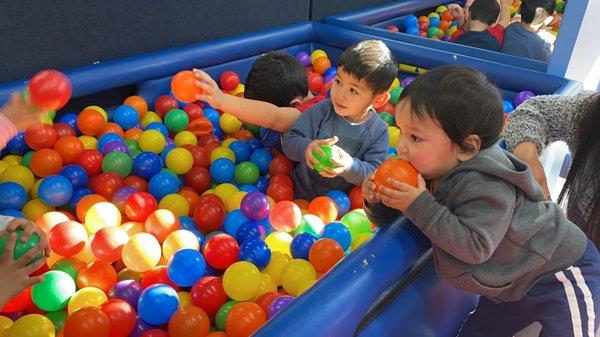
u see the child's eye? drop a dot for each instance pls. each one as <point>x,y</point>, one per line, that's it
<point>414,138</point>
<point>354,91</point>
<point>337,81</point>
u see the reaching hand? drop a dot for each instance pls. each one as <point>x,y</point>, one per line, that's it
<point>212,94</point>
<point>402,195</point>
<point>21,113</point>
<point>456,11</point>
<point>28,228</point>
<point>315,146</point>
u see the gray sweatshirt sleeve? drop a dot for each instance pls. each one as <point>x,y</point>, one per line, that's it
<point>373,157</point>
<point>295,141</point>
<point>546,119</point>
<point>474,224</point>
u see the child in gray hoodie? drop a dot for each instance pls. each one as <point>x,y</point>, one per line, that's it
<point>492,232</point>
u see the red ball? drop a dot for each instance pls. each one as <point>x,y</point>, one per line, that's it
<point>314,82</point>
<point>63,129</point>
<point>49,90</point>
<point>281,178</point>
<point>265,300</point>
<point>208,294</point>
<point>281,164</point>
<point>154,333</point>
<point>392,28</point>
<point>91,161</point>
<point>67,238</point>
<point>201,156</point>
<point>198,178</point>
<point>20,302</point>
<point>209,216</point>
<point>108,242</point>
<point>41,136</point>
<point>121,315</point>
<point>46,162</point>
<point>206,139</point>
<point>325,88</point>
<point>139,205</point>
<point>210,197</point>
<point>194,111</point>
<point>107,184</point>
<point>422,33</point>
<point>229,80</point>
<point>356,198</point>
<point>97,274</point>
<point>87,321</point>
<point>221,251</point>
<point>387,107</point>
<point>136,182</point>
<point>157,275</point>
<point>164,104</point>
<point>280,191</point>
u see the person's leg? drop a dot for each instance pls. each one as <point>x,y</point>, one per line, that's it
<point>492,319</point>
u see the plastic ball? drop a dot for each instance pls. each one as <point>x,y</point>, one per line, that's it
<point>49,90</point>
<point>246,173</point>
<point>12,196</point>
<point>221,251</point>
<point>121,315</point>
<point>127,290</point>
<point>324,254</point>
<point>20,175</point>
<point>100,215</point>
<point>185,267</point>
<point>147,164</point>
<point>55,190</point>
<point>108,242</point>
<point>189,321</point>
<point>255,205</point>
<point>91,161</point>
<point>522,97</point>
<point>185,138</point>
<point>285,216</point>
<point>241,281</point>
<point>244,319</point>
<point>54,291</point>
<point>86,297</point>
<point>176,120</point>
<point>117,162</point>
<point>296,274</point>
<point>301,244</point>
<point>397,169</point>
<point>152,141</point>
<point>98,274</point>
<point>320,64</point>
<point>76,175</point>
<point>138,103</point>
<point>157,304</point>
<point>67,238</point>
<point>262,158</point>
<point>222,170</point>
<point>241,150</point>
<point>279,242</point>
<point>256,252</point>
<point>21,247</point>
<point>164,103</point>
<point>117,145</point>
<point>339,232</point>
<point>87,322</point>
<point>229,80</point>
<point>126,116</point>
<point>357,223</point>
<point>46,162</point>
<point>35,208</point>
<point>279,304</point>
<point>90,122</point>
<point>209,216</point>
<point>229,124</point>
<point>70,266</point>
<point>183,86</point>
<point>33,325</point>
<point>139,205</point>
<point>162,184</point>
<point>324,208</point>
<point>161,223</point>
<point>179,160</point>
<point>178,240</point>
<point>141,253</point>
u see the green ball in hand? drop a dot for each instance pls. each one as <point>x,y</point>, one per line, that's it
<point>323,161</point>
<point>21,247</point>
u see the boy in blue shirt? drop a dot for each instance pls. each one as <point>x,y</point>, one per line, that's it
<point>347,122</point>
<point>521,38</point>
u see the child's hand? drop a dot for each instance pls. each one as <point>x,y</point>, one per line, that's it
<point>342,161</point>
<point>212,94</point>
<point>456,11</point>
<point>315,146</point>
<point>21,113</point>
<point>14,274</point>
<point>368,189</point>
<point>402,195</point>
<point>28,228</point>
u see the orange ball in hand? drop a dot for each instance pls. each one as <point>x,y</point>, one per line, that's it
<point>397,169</point>
<point>183,86</point>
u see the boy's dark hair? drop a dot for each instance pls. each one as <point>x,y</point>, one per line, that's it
<point>529,7</point>
<point>372,61</point>
<point>461,100</point>
<point>486,11</point>
<point>276,77</point>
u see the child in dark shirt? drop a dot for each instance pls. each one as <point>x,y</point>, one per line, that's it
<point>479,26</point>
<point>521,38</point>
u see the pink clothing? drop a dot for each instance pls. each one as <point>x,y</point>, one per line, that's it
<point>7,131</point>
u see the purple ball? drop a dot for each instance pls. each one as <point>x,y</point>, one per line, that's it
<point>328,78</point>
<point>140,327</point>
<point>279,304</point>
<point>255,206</point>
<point>121,195</point>
<point>127,290</point>
<point>522,97</point>
<point>304,58</point>
<point>406,81</point>
<point>115,145</point>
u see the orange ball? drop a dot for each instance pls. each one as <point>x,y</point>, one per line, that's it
<point>87,321</point>
<point>138,103</point>
<point>85,203</point>
<point>397,169</point>
<point>183,86</point>
<point>324,254</point>
<point>192,197</point>
<point>133,134</point>
<point>46,162</point>
<point>90,122</point>
<point>244,319</point>
<point>447,16</point>
<point>69,148</point>
<point>423,20</point>
<point>321,64</point>
<point>324,208</point>
<point>242,134</point>
<point>444,25</point>
<point>112,128</point>
<point>161,223</point>
<point>99,274</point>
<point>189,321</point>
<point>303,204</point>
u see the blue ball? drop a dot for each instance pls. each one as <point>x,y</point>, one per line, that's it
<point>158,126</point>
<point>255,144</point>
<point>392,152</point>
<point>165,152</point>
<point>222,170</point>
<point>76,174</point>
<point>17,144</point>
<point>14,213</point>
<point>508,106</point>
<point>163,183</point>
<point>250,229</point>
<point>249,188</point>
<point>434,22</point>
<point>71,120</point>
<point>262,184</point>
<point>212,115</point>
<point>126,116</point>
<point>339,232</point>
<point>187,223</point>
<point>410,21</point>
<point>270,138</point>
<point>157,304</point>
<point>199,236</point>
<point>77,195</point>
<point>147,164</point>
<point>186,267</point>
<point>262,158</point>
<point>218,131</point>
<point>301,245</point>
<point>55,190</point>
<point>12,196</point>
<point>241,151</point>
<point>341,199</point>
<point>107,138</point>
<point>413,31</point>
<point>233,221</point>
<point>256,252</point>
<point>330,71</point>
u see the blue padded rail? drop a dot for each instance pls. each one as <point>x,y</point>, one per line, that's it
<point>372,21</point>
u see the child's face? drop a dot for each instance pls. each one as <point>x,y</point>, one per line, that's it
<point>350,96</point>
<point>424,144</point>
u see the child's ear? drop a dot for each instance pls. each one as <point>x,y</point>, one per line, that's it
<point>381,99</point>
<point>472,145</point>
<point>296,102</point>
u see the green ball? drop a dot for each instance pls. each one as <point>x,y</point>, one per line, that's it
<point>309,225</point>
<point>70,266</point>
<point>132,145</point>
<point>433,32</point>
<point>176,120</point>
<point>117,162</point>
<point>54,292</point>
<point>222,314</point>
<point>255,129</point>
<point>21,247</point>
<point>387,118</point>
<point>134,153</point>
<point>357,223</point>
<point>395,95</point>
<point>323,161</point>
<point>246,173</point>
<point>26,161</point>
<point>560,7</point>
<point>57,318</point>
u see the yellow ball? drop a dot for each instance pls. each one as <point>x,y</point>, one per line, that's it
<point>307,286</point>
<point>175,203</point>
<point>34,189</point>
<point>152,141</point>
<point>150,117</point>
<point>267,284</point>
<point>360,239</point>
<point>89,142</point>
<point>5,324</point>
<point>100,215</point>
<point>35,208</point>
<point>276,264</point>
<point>3,166</point>
<point>20,175</point>
<point>451,30</point>
<point>296,275</point>
<point>86,297</point>
<point>225,191</point>
<point>179,160</point>
<point>235,200</point>
<point>316,54</point>
<point>185,138</point>
<point>241,281</point>
<point>34,325</point>
<point>395,83</point>
<point>239,89</point>
<point>185,299</point>
<point>52,259</point>
<point>178,240</point>
<point>222,152</point>
<point>394,134</point>
<point>229,123</point>
<point>271,201</point>
<point>209,191</point>
<point>441,9</point>
<point>279,242</point>
<point>100,110</point>
<point>141,253</point>
<point>13,160</point>
<point>132,228</point>
<point>228,142</point>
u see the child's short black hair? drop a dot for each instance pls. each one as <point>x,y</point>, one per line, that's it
<point>485,11</point>
<point>276,77</point>
<point>461,100</point>
<point>529,9</point>
<point>372,61</point>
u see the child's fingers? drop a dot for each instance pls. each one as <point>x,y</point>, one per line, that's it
<point>330,141</point>
<point>33,280</point>
<point>421,184</point>
<point>27,257</point>
<point>29,269</point>
<point>388,192</point>
<point>404,187</point>
<point>8,249</point>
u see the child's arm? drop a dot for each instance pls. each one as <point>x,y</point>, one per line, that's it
<point>504,17</point>
<point>248,110</point>
<point>16,114</point>
<point>458,13</point>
